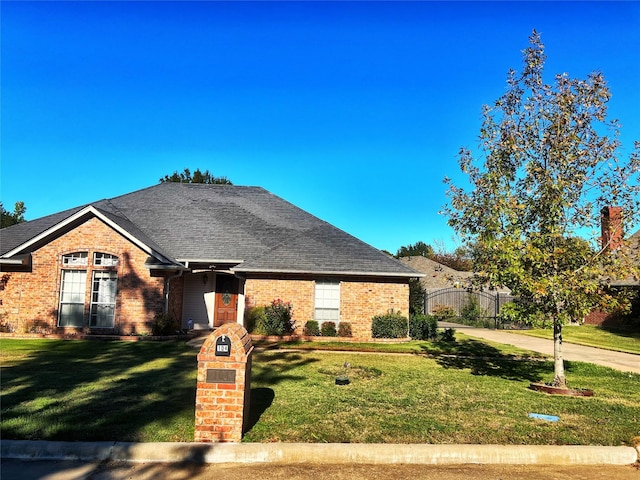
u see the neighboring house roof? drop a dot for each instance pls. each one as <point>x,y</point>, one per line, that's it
<point>437,275</point>
<point>247,229</point>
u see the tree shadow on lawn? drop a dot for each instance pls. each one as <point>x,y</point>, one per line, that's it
<point>483,359</point>
<point>97,391</point>
<point>273,368</point>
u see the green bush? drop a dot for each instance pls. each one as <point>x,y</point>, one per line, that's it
<point>472,313</point>
<point>311,328</point>
<point>423,327</point>
<point>448,335</point>
<point>416,297</point>
<point>277,319</point>
<point>390,325</point>
<point>328,329</point>
<point>164,325</point>
<point>344,329</point>
<point>252,317</point>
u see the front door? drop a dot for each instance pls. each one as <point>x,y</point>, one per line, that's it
<point>226,310</point>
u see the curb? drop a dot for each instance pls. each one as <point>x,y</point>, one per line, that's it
<point>319,453</point>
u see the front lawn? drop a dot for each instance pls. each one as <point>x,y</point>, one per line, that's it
<point>145,391</point>
<point>592,336</point>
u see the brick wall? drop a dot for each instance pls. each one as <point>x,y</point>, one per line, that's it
<point>30,301</point>
<point>222,407</point>
<point>360,300</point>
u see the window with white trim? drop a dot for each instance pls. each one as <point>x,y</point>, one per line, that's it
<point>103,299</point>
<point>105,259</point>
<point>327,301</point>
<point>73,285</point>
<point>75,259</point>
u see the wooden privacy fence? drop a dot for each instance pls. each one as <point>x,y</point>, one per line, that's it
<point>458,299</point>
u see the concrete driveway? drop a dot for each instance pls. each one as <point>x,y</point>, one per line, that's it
<point>625,362</point>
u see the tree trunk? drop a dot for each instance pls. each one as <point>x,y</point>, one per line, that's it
<point>559,379</point>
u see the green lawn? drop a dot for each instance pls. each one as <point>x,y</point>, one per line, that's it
<point>145,391</point>
<point>464,345</point>
<point>592,336</point>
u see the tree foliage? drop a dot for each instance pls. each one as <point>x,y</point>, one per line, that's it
<point>418,249</point>
<point>458,259</point>
<point>198,177</point>
<point>548,164</point>
<point>12,218</point>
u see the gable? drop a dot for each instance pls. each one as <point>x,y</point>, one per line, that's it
<point>20,241</point>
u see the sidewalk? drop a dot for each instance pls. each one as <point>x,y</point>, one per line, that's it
<point>625,362</point>
<point>326,453</point>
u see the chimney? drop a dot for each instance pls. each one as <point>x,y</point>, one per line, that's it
<point>612,234</point>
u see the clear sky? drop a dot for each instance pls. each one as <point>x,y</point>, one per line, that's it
<point>352,111</point>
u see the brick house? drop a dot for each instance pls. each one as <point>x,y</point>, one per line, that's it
<point>612,240</point>
<point>201,254</point>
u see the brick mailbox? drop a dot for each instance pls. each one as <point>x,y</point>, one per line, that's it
<point>224,385</point>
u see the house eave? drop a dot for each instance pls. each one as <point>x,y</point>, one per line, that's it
<point>209,263</point>
<point>346,273</point>
<point>21,259</point>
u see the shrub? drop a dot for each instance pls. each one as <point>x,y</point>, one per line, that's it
<point>472,313</point>
<point>311,328</point>
<point>442,312</point>
<point>164,325</point>
<point>328,329</point>
<point>390,325</point>
<point>276,320</point>
<point>416,297</point>
<point>423,327</point>
<point>448,335</point>
<point>252,317</point>
<point>344,329</point>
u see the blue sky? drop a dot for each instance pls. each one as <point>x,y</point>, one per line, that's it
<point>352,111</point>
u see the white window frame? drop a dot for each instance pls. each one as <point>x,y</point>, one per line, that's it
<point>75,259</point>
<point>327,301</point>
<point>73,284</point>
<point>104,289</point>
<point>105,259</point>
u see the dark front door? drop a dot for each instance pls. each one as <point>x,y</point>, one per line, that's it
<point>226,300</point>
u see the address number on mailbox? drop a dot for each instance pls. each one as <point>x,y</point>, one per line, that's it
<point>223,346</point>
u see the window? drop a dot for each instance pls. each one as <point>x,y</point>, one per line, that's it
<point>103,299</point>
<point>75,259</point>
<point>72,298</point>
<point>327,301</point>
<point>105,259</point>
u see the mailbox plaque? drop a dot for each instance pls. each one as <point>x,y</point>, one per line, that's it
<point>221,375</point>
<point>223,346</point>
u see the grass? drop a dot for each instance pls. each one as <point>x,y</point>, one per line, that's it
<point>467,392</point>
<point>592,336</point>
<point>464,345</point>
<point>89,390</point>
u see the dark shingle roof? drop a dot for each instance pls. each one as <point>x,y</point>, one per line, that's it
<point>218,223</point>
